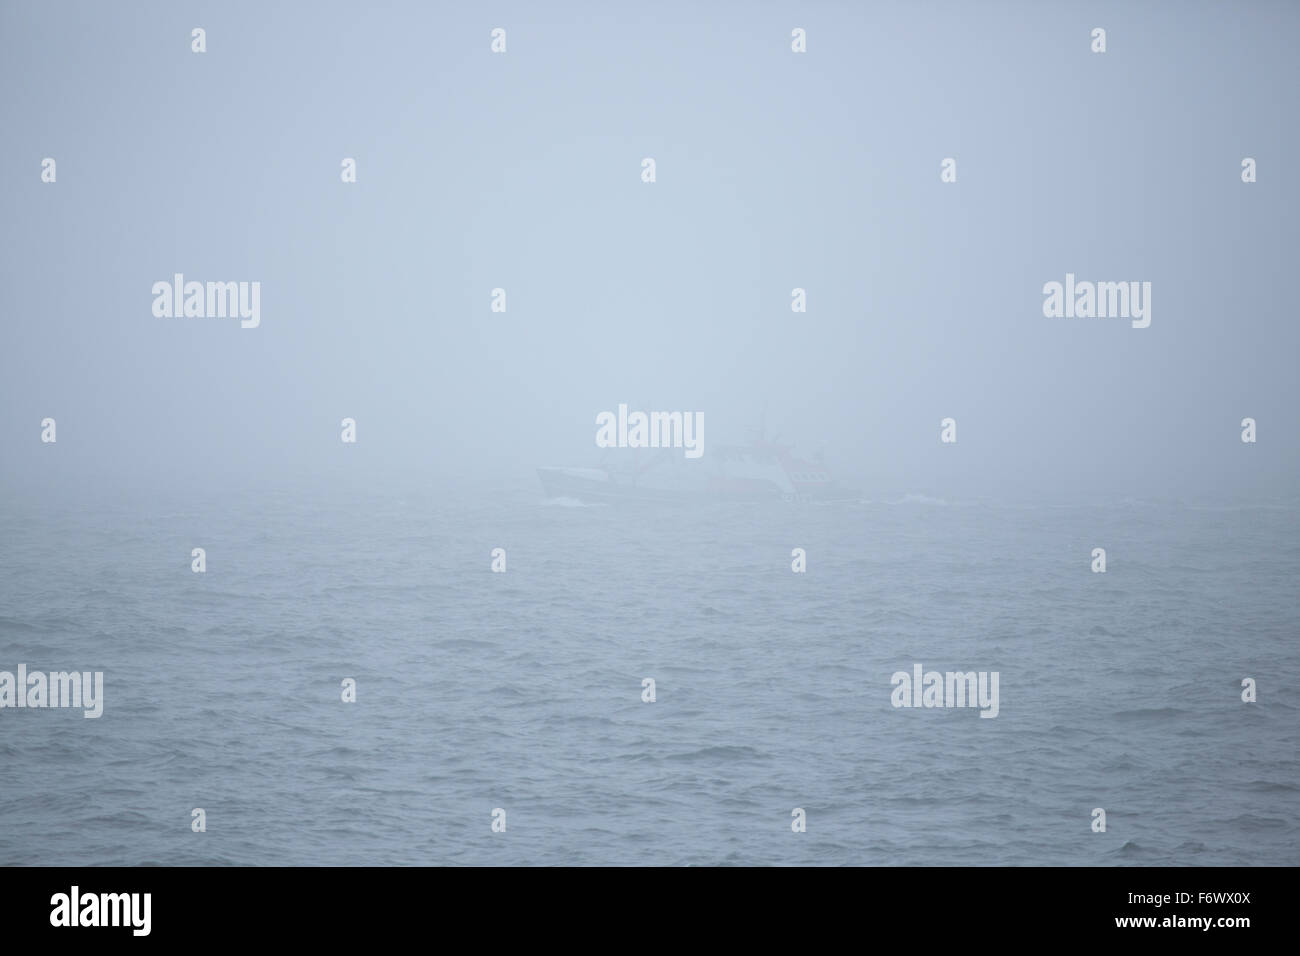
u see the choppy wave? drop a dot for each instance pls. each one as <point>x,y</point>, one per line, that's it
<point>524,690</point>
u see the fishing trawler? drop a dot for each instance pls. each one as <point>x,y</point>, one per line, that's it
<point>763,470</point>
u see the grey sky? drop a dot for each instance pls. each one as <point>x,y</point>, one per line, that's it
<point>774,170</point>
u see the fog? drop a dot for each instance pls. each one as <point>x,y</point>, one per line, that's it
<point>774,171</point>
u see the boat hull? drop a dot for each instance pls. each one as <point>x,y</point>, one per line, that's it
<point>597,486</point>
